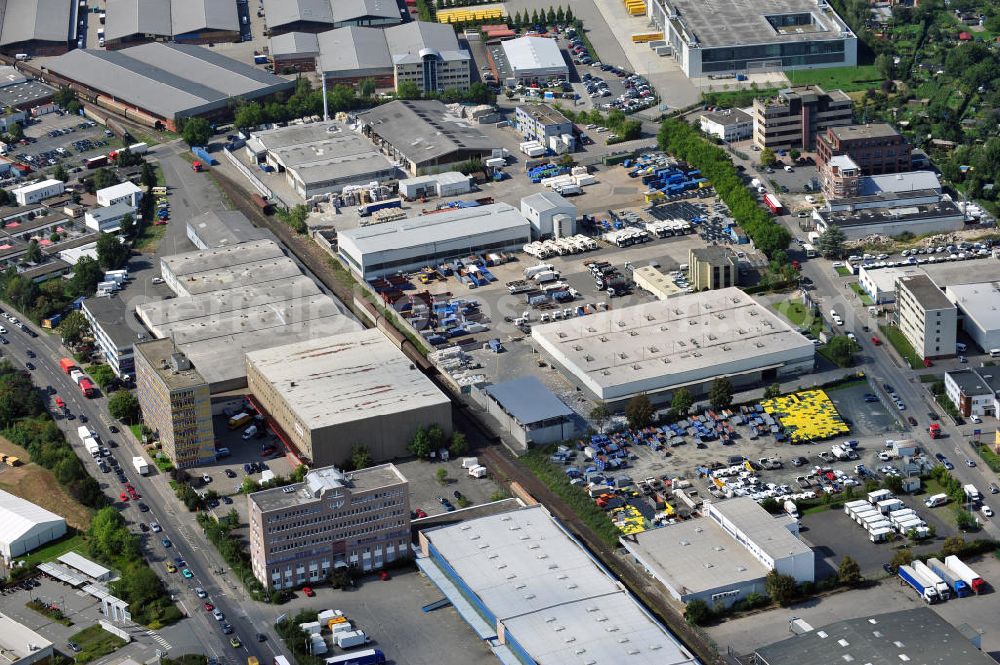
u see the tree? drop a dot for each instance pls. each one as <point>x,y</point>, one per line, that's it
<point>127,228</point>
<point>781,588</point>
<point>73,328</point>
<point>767,157</point>
<point>86,274</point>
<point>794,154</point>
<point>831,242</point>
<point>550,16</point>
<point>34,252</point>
<point>103,178</point>
<point>965,520</point>
<point>459,445</point>
<point>112,253</point>
<point>884,66</point>
<point>295,218</point>
<point>682,401</point>
<point>534,17</point>
<point>697,612</point>
<point>63,96</point>
<point>600,414</point>
<point>196,131</point>
<point>102,375</point>
<point>840,350</point>
<point>248,115</point>
<point>442,475</point>
<point>408,90</point>
<point>560,15</point>
<point>849,572</point>
<point>772,391</point>
<point>366,88</point>
<point>361,456</point>
<point>953,545</point>
<point>124,406</point>
<point>894,484</point>
<point>60,174</point>
<point>420,444</point>
<point>721,393</point>
<point>639,411</point>
<point>148,177</point>
<point>903,557</point>
<point>569,13</point>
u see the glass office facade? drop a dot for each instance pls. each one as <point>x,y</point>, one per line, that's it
<point>794,54</point>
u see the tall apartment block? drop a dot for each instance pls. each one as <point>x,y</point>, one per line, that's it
<point>876,148</point>
<point>332,519</point>
<point>175,401</point>
<point>926,317</point>
<point>797,115</point>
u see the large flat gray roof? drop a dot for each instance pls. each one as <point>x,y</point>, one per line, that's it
<point>137,17</point>
<point>240,276</point>
<point>550,594</point>
<point>167,79</point>
<point>224,228</point>
<point>36,20</point>
<point>899,183</point>
<point>115,319</point>
<point>352,10</point>
<point>198,261</point>
<point>979,302</point>
<point>319,481</point>
<point>294,43</point>
<point>425,130</point>
<point>926,292</point>
<point>283,12</point>
<point>209,15</point>
<point>916,635</point>
<point>344,378</point>
<point>715,23</point>
<point>530,53</point>
<point>24,94</point>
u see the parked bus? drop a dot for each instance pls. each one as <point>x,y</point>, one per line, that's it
<point>809,250</point>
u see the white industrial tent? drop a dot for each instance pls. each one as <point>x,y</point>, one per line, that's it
<point>25,526</point>
<point>534,58</point>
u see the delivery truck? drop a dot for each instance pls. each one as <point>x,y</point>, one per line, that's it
<point>922,586</point>
<point>141,465</point>
<point>942,588</point>
<point>67,365</point>
<point>350,639</point>
<point>975,582</point>
<point>956,583</point>
<point>92,446</point>
<point>366,657</point>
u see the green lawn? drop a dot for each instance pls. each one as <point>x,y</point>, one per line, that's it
<point>95,642</point>
<point>150,237</point>
<point>843,271</point>
<point>865,298</point>
<point>902,346</point>
<point>136,431</point>
<point>848,79</point>
<point>798,315</point>
<point>71,541</point>
<point>161,180</point>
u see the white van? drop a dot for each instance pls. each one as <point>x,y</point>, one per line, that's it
<point>250,432</point>
<point>994,353</point>
<point>936,500</point>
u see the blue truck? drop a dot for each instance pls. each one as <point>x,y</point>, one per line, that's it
<point>202,154</point>
<point>922,586</point>
<point>956,583</point>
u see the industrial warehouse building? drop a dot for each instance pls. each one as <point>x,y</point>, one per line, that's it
<point>385,249</point>
<point>191,21</point>
<point>536,595</point>
<point>724,556</point>
<point>25,526</point>
<point>159,82</point>
<point>37,27</point>
<point>284,16</point>
<point>424,134</point>
<point>978,305</point>
<point>329,394</point>
<point>236,299</point>
<point>528,410</point>
<point>283,552</point>
<point>533,59</point>
<point>658,347</point>
<point>222,228</point>
<point>293,51</point>
<point>449,183</point>
<point>425,54</point>
<point>919,212</point>
<point>918,635</point>
<point>22,646</point>
<point>730,36</point>
<point>550,214</point>
<point>319,158</point>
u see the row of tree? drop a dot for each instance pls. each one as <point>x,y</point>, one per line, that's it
<point>543,17</point>
<point>685,142</point>
<point>427,440</point>
<point>639,411</point>
<point>615,120</point>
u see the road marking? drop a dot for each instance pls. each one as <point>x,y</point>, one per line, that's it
<point>156,637</point>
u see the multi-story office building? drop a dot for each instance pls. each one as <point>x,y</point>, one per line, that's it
<point>537,122</point>
<point>712,267</point>
<point>113,334</point>
<point>735,36</point>
<point>926,317</point>
<point>300,532</point>
<point>175,401</point>
<point>840,177</point>
<point>876,148</point>
<point>797,115</point>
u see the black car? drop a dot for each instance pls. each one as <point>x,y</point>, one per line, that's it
<point>458,495</point>
<point>261,637</point>
<point>83,418</point>
<point>31,354</point>
<point>227,629</point>
<point>30,367</point>
<point>888,388</point>
<point>143,507</point>
<point>888,568</point>
<point>113,429</point>
<point>229,473</point>
<point>226,500</point>
<point>4,340</point>
<point>932,415</point>
<point>799,461</point>
<point>70,416</point>
<point>912,420</point>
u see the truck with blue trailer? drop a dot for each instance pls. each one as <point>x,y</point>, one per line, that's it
<point>925,571</point>
<point>922,586</point>
<point>366,657</point>
<point>957,584</point>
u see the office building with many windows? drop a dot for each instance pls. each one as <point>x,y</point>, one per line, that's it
<point>711,37</point>
<point>332,519</point>
<point>926,317</point>
<point>175,402</point>
<point>876,148</point>
<point>795,116</point>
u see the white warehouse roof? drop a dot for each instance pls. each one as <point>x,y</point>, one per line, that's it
<point>527,55</point>
<point>343,378</point>
<point>667,344</point>
<point>551,596</point>
<point>23,522</point>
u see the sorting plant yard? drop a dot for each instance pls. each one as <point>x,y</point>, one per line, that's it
<point>808,414</point>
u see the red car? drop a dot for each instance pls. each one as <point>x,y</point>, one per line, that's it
<point>928,363</point>
<point>876,341</point>
<point>383,575</point>
<point>307,590</point>
<point>420,513</point>
<point>209,607</point>
<point>123,496</point>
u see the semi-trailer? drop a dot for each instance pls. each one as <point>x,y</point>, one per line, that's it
<point>975,582</point>
<point>352,638</point>
<point>922,587</point>
<point>67,365</point>
<point>366,657</point>
<point>942,588</point>
<point>957,584</point>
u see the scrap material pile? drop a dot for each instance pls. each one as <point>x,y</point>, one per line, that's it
<point>808,415</point>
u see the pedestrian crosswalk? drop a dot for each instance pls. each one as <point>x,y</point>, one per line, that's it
<point>156,637</point>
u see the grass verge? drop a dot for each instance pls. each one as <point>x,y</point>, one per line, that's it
<point>799,315</point>
<point>95,642</point>
<point>848,79</point>
<point>902,346</point>
<point>51,612</point>
<point>843,271</point>
<point>866,300</point>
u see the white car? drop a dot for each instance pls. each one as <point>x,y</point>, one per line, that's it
<point>976,419</point>
<point>219,616</point>
<point>987,511</point>
<point>200,592</point>
<point>810,199</point>
<point>157,280</point>
<point>155,526</point>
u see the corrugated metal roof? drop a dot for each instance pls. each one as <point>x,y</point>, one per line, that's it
<point>352,10</point>
<point>528,400</point>
<point>425,131</point>
<point>353,49</point>
<point>283,12</point>
<point>133,17</point>
<point>42,20</point>
<point>203,15</point>
<point>294,43</point>
<point>530,53</point>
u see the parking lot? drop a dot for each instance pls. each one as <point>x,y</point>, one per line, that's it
<point>426,491</point>
<point>63,139</point>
